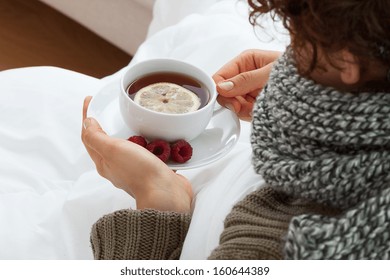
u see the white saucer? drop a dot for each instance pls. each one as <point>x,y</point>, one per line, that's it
<point>216,141</point>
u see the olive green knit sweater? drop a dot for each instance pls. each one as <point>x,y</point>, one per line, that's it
<point>254,229</point>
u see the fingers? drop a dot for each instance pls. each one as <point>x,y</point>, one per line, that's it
<point>246,73</point>
<point>241,105</point>
<point>240,80</point>
<point>246,61</point>
<point>230,103</point>
<point>245,82</point>
<point>94,138</point>
<point>246,108</point>
<point>87,100</point>
<point>93,135</point>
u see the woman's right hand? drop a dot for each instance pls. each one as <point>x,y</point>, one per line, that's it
<point>241,79</point>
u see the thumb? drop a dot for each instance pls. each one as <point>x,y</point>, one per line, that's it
<point>245,82</point>
<point>94,137</point>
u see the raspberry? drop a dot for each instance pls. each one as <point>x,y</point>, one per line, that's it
<point>140,140</point>
<point>160,148</point>
<point>181,151</point>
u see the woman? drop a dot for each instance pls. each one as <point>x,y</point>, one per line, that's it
<point>319,139</point>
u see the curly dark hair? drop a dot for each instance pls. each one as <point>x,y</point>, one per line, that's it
<point>361,26</point>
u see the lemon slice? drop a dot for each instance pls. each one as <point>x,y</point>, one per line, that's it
<point>167,98</point>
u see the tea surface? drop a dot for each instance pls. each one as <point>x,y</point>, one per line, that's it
<point>169,77</point>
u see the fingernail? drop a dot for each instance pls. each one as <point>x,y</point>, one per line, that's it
<point>86,123</point>
<point>230,107</point>
<point>226,85</point>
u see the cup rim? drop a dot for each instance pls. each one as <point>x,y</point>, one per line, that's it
<point>211,101</point>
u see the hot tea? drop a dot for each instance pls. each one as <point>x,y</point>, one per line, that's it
<point>182,83</point>
<point>185,90</point>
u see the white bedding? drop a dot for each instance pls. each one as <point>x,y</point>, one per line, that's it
<point>50,193</point>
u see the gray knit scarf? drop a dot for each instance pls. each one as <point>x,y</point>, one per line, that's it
<point>332,148</point>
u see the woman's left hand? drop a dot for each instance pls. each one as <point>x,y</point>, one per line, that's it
<point>135,170</point>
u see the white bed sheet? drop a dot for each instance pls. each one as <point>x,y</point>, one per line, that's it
<point>50,193</point>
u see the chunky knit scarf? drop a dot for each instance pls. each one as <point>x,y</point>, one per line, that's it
<point>333,148</point>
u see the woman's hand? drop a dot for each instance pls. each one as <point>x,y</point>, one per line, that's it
<point>135,170</point>
<point>240,80</point>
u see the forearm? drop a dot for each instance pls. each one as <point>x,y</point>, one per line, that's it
<point>139,234</point>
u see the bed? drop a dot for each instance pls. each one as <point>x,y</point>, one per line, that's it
<point>50,192</point>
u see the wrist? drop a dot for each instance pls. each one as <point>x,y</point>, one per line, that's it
<point>172,193</point>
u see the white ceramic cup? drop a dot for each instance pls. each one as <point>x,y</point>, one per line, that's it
<point>157,125</point>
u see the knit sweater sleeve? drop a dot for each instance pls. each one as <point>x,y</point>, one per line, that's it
<point>139,234</point>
